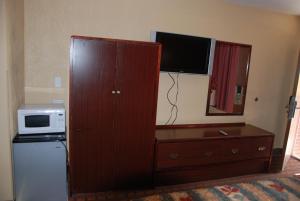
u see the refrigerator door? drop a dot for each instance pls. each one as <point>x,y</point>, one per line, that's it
<point>40,171</point>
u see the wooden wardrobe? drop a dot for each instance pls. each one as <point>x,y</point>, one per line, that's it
<point>113,98</point>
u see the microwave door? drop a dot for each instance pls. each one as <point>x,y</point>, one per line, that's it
<point>36,123</point>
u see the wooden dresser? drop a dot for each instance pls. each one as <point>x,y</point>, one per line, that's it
<point>195,154</point>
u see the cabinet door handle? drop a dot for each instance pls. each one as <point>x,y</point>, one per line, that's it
<point>173,156</point>
<point>261,148</point>
<point>234,151</point>
<point>113,92</point>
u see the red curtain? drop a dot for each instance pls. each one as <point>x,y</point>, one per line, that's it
<point>224,75</point>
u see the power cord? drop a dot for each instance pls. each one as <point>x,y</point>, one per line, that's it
<point>176,98</point>
<point>66,149</point>
<point>174,105</point>
<point>67,162</point>
<point>168,98</point>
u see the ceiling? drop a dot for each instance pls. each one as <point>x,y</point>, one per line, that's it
<point>283,6</point>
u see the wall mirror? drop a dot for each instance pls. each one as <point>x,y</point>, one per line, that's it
<point>228,81</point>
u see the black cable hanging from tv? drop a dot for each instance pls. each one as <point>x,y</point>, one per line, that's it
<point>176,98</point>
<point>174,105</point>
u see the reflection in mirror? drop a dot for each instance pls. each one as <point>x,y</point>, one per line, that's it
<point>228,82</point>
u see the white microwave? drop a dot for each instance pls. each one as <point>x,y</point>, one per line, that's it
<point>35,119</point>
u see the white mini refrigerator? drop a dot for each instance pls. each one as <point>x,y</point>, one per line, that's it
<point>40,170</point>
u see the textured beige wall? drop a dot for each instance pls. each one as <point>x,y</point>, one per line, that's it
<point>5,145</point>
<point>15,11</point>
<point>11,84</point>
<point>49,25</point>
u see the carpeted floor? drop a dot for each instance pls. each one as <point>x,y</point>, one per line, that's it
<point>280,189</point>
<point>293,167</point>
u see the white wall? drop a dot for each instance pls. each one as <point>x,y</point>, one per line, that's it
<point>49,25</point>
<point>11,85</point>
<point>192,98</point>
<point>15,13</point>
<point>5,139</point>
<point>273,36</point>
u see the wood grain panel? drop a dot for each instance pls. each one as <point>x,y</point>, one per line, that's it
<point>204,152</point>
<point>111,133</point>
<point>242,149</point>
<point>91,114</point>
<point>137,81</point>
<point>216,171</point>
<point>174,155</point>
<point>180,134</point>
<point>211,125</point>
<point>194,154</point>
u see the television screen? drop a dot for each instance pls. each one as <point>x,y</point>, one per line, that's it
<point>182,53</point>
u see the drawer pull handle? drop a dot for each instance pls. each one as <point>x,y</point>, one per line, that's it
<point>234,151</point>
<point>261,148</point>
<point>208,154</point>
<point>173,156</point>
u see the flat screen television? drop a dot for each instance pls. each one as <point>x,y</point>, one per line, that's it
<point>186,54</point>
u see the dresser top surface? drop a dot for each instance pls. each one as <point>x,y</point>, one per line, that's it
<point>210,133</point>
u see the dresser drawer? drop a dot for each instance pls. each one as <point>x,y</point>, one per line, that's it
<point>213,171</point>
<point>247,148</point>
<point>205,152</point>
<point>194,154</point>
<point>180,154</point>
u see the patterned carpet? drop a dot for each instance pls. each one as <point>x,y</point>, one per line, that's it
<point>280,189</point>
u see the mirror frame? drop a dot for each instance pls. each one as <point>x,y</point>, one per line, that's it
<point>244,97</point>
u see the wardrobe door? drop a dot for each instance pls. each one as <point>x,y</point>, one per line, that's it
<point>136,84</point>
<point>91,115</point>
